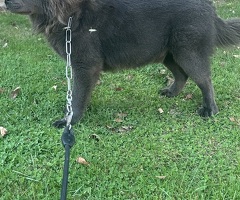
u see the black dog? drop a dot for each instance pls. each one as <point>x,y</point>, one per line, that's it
<point>117,34</point>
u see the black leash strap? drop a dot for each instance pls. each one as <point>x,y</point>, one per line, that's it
<point>68,140</point>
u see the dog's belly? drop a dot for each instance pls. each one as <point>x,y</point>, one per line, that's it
<point>161,57</point>
<point>132,60</point>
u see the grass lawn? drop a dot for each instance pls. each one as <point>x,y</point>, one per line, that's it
<point>140,153</point>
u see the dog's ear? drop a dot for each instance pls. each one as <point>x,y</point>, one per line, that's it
<point>63,9</point>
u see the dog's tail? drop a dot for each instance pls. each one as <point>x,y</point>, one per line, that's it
<point>228,32</point>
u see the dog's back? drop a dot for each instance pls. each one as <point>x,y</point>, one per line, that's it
<point>141,31</point>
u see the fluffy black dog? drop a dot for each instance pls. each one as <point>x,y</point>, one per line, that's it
<point>181,34</point>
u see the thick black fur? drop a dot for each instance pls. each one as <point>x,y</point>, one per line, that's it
<point>181,34</point>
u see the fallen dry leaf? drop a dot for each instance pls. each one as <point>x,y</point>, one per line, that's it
<point>118,120</point>
<point>124,129</point>
<point>170,80</point>
<point>82,161</point>
<point>15,93</point>
<point>232,119</point>
<point>189,97</point>
<point>111,128</point>
<point>163,71</point>
<point>54,87</point>
<point>160,110</point>
<point>161,177</point>
<point>122,115</point>
<point>118,89</point>
<point>95,137</point>
<point>99,82</point>
<point>236,56</point>
<point>1,90</point>
<point>3,131</point>
<point>5,45</point>
<point>129,77</point>
<point>121,129</point>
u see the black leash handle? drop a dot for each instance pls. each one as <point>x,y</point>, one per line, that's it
<point>68,140</point>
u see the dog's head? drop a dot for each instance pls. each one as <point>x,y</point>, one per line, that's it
<point>27,7</point>
<point>52,9</point>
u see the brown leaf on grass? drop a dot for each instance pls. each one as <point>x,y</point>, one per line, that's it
<point>170,80</point>
<point>161,177</point>
<point>232,119</point>
<point>235,120</point>
<point>163,71</point>
<point>118,89</point>
<point>189,97</point>
<point>99,82</point>
<point>111,128</point>
<point>129,77</point>
<point>3,131</point>
<point>124,129</point>
<point>1,90</point>
<point>122,115</point>
<point>121,129</point>
<point>82,161</point>
<point>95,137</point>
<point>54,87</point>
<point>15,93</point>
<point>5,45</point>
<point>160,110</point>
<point>118,120</point>
<point>223,64</point>
<point>236,56</point>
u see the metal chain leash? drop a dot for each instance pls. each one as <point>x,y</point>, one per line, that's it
<point>68,138</point>
<point>69,74</point>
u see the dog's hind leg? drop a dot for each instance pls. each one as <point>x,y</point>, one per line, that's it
<point>197,67</point>
<point>180,77</point>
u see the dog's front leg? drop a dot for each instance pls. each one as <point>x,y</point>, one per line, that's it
<point>84,79</point>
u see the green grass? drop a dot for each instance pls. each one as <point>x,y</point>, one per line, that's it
<point>198,159</point>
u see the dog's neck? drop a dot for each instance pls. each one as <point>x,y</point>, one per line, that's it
<point>42,24</point>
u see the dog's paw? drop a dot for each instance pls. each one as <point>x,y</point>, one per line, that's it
<point>207,112</point>
<point>60,123</point>
<point>167,92</point>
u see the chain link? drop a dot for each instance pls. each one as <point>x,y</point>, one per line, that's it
<point>69,74</point>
